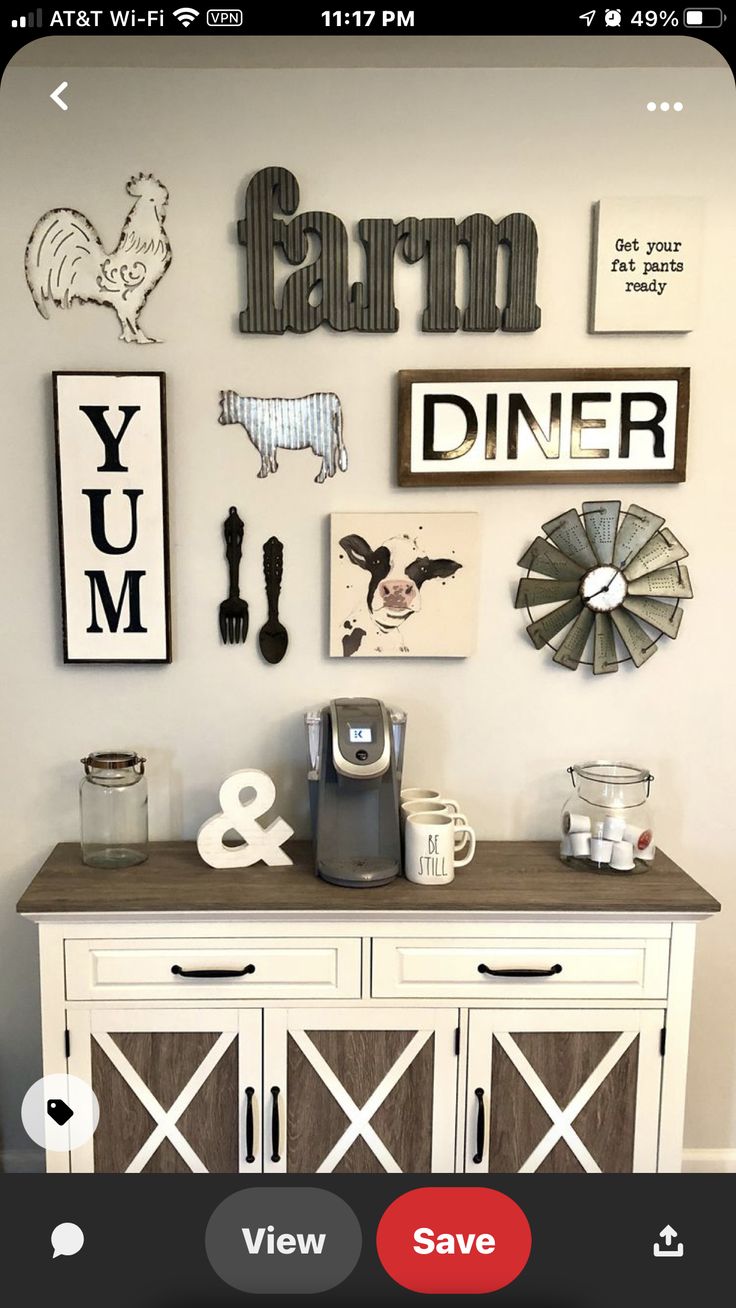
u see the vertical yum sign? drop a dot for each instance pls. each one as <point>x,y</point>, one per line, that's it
<point>113,524</point>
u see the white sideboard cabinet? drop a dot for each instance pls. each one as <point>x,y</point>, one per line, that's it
<point>526,1018</point>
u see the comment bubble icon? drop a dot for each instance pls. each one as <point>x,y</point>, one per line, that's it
<point>66,1239</point>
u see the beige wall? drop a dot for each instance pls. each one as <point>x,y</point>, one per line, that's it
<point>498,729</point>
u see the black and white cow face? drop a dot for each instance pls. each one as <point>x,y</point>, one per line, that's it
<point>397,573</point>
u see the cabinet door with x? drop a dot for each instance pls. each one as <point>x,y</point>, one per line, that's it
<point>360,1090</point>
<point>179,1089</point>
<point>563,1091</point>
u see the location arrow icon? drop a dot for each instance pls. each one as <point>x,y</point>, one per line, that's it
<point>56,95</point>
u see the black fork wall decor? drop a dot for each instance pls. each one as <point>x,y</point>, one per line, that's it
<point>233,610</point>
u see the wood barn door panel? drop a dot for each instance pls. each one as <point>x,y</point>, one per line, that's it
<point>564,1091</point>
<point>607,1123</point>
<point>169,1087</point>
<point>364,1089</point>
<point>124,1124</point>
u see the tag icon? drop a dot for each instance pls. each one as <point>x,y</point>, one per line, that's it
<point>58,1111</point>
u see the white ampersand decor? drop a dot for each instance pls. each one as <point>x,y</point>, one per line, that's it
<point>261,844</point>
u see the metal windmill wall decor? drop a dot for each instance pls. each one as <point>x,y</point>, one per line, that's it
<point>610,575</point>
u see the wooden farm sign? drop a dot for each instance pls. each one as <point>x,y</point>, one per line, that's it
<point>321,292</point>
<point>461,428</point>
<point>113,522</point>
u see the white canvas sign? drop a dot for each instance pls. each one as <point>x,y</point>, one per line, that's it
<point>646,265</point>
<point>403,584</point>
<point>113,529</point>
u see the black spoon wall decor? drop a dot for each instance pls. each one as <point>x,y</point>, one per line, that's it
<point>273,637</point>
<point>233,610</point>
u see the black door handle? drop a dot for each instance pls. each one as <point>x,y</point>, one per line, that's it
<point>480,1137</point>
<point>520,971</point>
<point>215,972</point>
<point>275,1125</point>
<point>249,1155</point>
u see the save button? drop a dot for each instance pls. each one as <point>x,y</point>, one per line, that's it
<point>453,1240</point>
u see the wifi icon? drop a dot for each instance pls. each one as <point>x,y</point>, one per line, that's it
<point>186,16</point>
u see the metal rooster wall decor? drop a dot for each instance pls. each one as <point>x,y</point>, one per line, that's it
<point>66,261</point>
<point>606,572</point>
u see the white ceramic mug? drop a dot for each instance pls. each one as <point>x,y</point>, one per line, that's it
<point>429,848</point>
<point>415,792</point>
<point>437,806</point>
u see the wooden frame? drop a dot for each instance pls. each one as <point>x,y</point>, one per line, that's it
<point>409,475</point>
<point>77,647</point>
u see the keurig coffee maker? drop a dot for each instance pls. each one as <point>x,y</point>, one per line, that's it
<point>356,752</point>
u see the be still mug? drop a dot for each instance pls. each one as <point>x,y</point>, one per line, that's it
<point>429,848</point>
<point>437,806</point>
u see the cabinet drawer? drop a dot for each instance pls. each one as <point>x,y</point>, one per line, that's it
<point>577,968</point>
<point>152,969</point>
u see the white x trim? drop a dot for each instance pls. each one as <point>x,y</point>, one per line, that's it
<point>359,1118</point>
<point>165,1119</point>
<point>562,1119</point>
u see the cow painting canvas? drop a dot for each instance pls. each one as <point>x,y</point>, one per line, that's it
<point>403,584</point>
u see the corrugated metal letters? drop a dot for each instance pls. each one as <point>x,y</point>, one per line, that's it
<point>321,291</point>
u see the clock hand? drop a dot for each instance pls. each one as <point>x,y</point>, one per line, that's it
<point>602,590</point>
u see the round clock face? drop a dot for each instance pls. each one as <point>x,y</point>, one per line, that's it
<point>603,588</point>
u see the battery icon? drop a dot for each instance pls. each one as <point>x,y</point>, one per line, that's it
<point>703,18</point>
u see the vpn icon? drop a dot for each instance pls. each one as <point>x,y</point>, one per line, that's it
<point>58,1111</point>
<point>186,16</point>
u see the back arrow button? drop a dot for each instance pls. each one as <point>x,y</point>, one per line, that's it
<point>56,95</point>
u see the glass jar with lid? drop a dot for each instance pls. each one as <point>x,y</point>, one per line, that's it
<point>607,824</point>
<point>113,804</point>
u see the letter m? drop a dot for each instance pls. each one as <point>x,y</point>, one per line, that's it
<point>131,588</point>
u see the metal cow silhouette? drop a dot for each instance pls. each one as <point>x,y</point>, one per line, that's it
<point>309,422</point>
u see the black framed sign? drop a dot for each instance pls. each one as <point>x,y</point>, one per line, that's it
<point>541,425</point>
<point>113,516</point>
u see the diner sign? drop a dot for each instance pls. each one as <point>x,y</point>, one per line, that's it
<point>528,425</point>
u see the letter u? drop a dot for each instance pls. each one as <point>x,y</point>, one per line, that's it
<point>97,520</point>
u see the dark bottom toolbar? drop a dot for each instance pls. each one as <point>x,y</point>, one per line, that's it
<point>202,1242</point>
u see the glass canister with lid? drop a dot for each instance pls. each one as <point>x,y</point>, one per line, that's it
<point>113,804</point>
<point>607,823</point>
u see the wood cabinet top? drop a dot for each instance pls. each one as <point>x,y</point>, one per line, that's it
<point>504,877</point>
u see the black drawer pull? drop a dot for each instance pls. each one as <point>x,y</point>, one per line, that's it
<point>275,1125</point>
<point>480,1138</point>
<point>212,974</point>
<point>249,1155</point>
<point>521,971</point>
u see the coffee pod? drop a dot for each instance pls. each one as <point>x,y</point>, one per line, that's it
<point>580,844</point>
<point>613,829</point>
<point>601,850</point>
<point>640,837</point>
<point>622,856</point>
<point>576,822</point>
<point>565,847</point>
<point>646,855</point>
